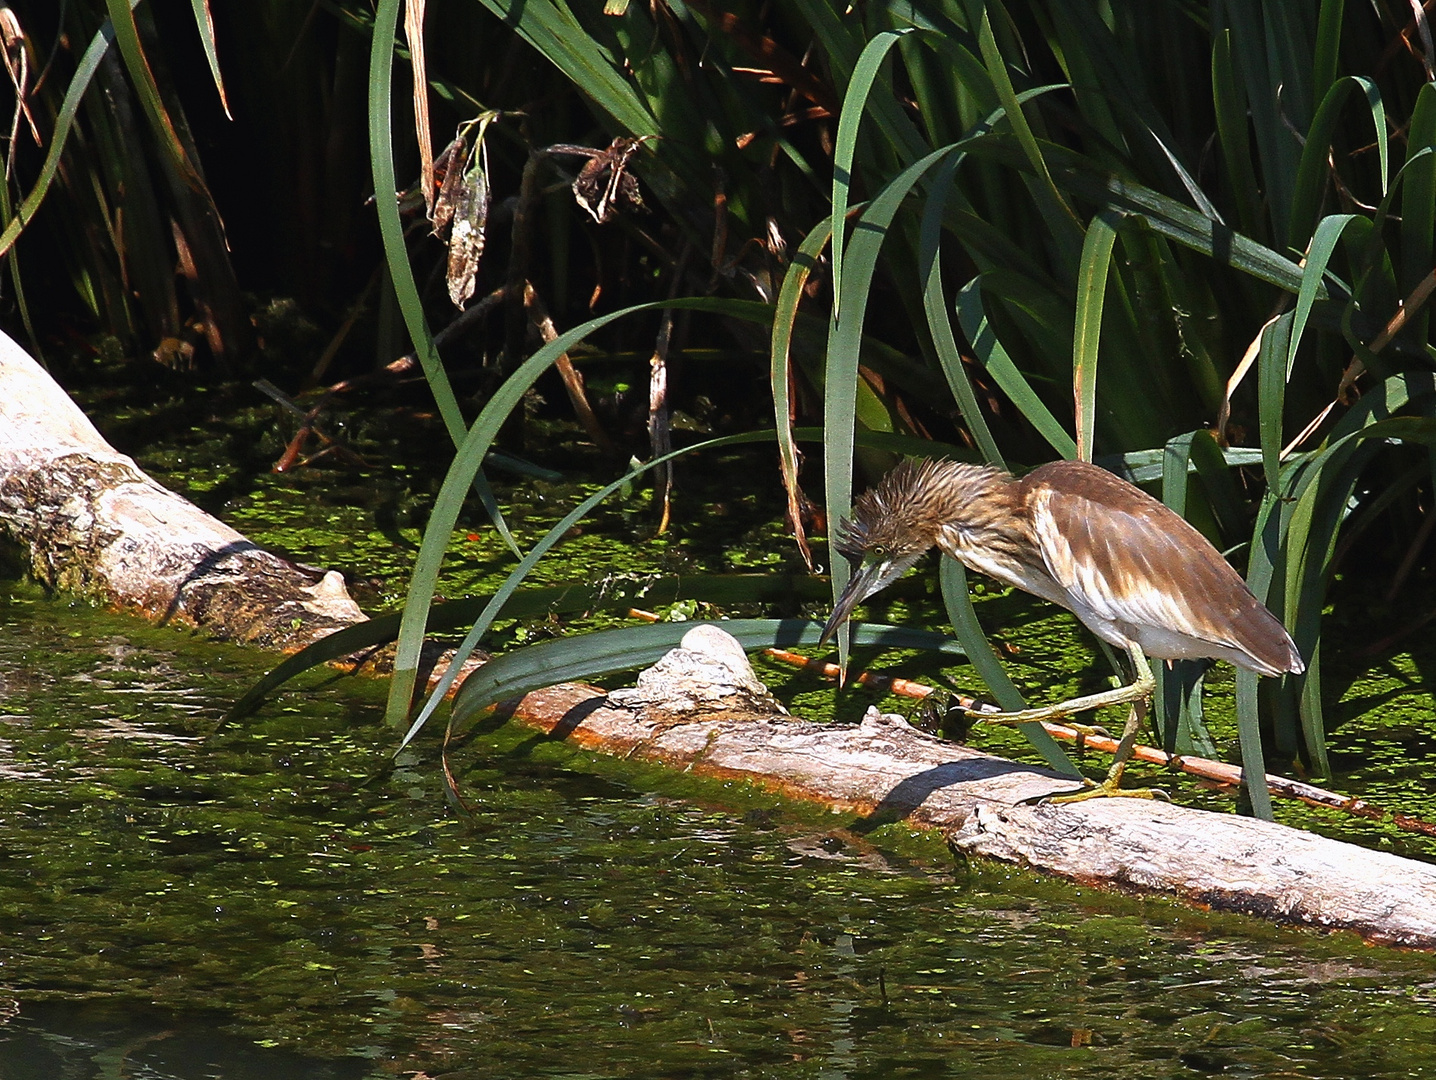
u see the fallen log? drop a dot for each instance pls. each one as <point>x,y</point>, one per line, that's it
<point>89,521</point>
<point>885,770</point>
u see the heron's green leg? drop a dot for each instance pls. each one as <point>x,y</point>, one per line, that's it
<point>1139,693</point>
<point>1139,689</point>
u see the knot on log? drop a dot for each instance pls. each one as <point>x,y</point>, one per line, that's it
<point>708,672</point>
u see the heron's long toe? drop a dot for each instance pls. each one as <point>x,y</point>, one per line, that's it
<point>1107,789</point>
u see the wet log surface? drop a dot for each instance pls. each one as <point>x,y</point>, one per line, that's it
<point>90,521</point>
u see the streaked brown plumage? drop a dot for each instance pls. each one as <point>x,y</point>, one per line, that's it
<point>1135,573</point>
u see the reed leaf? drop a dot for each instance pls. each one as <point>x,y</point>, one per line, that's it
<point>609,651</point>
<point>506,590</point>
<point>1091,291</point>
<point>962,616</point>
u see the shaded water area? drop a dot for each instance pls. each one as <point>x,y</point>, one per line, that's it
<point>283,899</point>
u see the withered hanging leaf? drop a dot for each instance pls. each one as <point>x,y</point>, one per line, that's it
<point>451,164</point>
<point>604,186</point>
<point>466,238</point>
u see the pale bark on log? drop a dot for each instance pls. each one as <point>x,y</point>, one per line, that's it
<point>90,521</point>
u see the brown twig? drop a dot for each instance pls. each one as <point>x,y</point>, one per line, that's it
<point>572,378</point>
<point>307,426</point>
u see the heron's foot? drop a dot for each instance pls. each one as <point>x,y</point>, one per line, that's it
<point>1023,716</point>
<point>1089,729</point>
<point>1107,789</point>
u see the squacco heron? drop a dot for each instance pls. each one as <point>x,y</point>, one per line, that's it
<point>1134,572</point>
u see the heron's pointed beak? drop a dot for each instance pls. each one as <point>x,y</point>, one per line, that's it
<point>867,579</point>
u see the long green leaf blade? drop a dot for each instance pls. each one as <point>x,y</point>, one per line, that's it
<point>609,651</point>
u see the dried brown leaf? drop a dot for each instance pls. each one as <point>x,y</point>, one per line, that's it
<point>451,162</point>
<point>466,235</point>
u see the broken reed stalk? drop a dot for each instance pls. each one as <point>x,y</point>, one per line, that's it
<point>572,379</point>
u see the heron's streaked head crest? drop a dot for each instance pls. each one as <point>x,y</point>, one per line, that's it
<point>894,523</point>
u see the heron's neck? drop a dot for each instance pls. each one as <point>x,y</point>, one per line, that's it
<point>985,525</point>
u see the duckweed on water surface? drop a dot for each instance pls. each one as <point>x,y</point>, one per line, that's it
<point>287,885</point>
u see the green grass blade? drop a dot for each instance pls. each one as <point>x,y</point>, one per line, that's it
<point>1181,224</point>
<point>1266,554</point>
<point>860,85</point>
<point>1328,46</point>
<point>391,229</point>
<point>999,365</point>
<point>840,384</point>
<point>1271,394</point>
<point>396,253</point>
<point>1061,221</point>
<point>1253,760</point>
<point>1418,204</point>
<point>790,295</point>
<point>59,137</point>
<point>556,33</point>
<point>1144,466</point>
<point>352,639</point>
<point>204,23</point>
<point>552,537</point>
<point>934,304</point>
<point>1178,698</point>
<point>137,65</point>
<point>1321,501</point>
<point>575,597</point>
<point>1091,292</point>
<point>953,578</point>
<point>1229,101</point>
<point>1313,172</point>
<point>466,464</point>
<point>1318,255</point>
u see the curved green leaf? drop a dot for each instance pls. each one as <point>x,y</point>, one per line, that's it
<point>1313,172</point>
<point>960,613</point>
<point>396,253</point>
<point>860,85</point>
<point>790,294</point>
<point>466,465</point>
<point>608,651</point>
<point>840,384</point>
<point>527,563</point>
<point>999,365</point>
<point>59,137</point>
<point>934,305</point>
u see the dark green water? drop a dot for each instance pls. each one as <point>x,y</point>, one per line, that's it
<point>280,900</point>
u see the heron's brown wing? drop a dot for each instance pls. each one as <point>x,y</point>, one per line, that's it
<point>1134,561</point>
